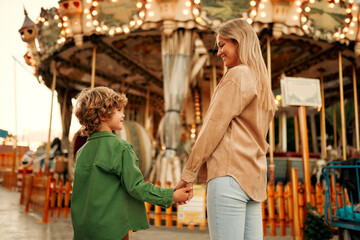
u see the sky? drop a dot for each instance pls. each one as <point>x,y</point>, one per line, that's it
<point>33,100</point>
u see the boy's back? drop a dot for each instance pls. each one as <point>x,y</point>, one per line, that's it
<point>101,206</point>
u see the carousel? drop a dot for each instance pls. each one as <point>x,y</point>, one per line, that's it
<point>162,55</point>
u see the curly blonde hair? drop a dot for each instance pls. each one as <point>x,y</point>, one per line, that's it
<point>91,104</point>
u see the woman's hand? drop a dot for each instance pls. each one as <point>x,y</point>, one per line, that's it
<point>182,194</point>
<point>183,184</point>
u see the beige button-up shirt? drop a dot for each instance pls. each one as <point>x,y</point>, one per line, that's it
<point>232,140</point>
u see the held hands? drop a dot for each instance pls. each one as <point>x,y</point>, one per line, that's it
<point>181,185</point>
<point>182,194</point>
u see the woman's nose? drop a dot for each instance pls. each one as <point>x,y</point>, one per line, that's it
<point>219,52</point>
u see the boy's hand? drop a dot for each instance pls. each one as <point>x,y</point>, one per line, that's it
<point>182,194</point>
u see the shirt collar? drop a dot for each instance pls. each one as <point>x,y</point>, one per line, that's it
<point>100,135</point>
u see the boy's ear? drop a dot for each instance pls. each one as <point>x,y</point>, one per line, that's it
<point>102,118</point>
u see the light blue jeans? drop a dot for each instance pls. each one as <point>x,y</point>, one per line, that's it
<point>232,214</point>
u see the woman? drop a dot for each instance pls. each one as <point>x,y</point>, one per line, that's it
<point>230,151</point>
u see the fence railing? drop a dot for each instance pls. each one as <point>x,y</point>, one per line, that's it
<point>285,208</point>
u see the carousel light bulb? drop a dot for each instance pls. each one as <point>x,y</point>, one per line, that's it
<point>62,32</point>
<point>331,5</point>
<point>342,35</point>
<point>56,17</point>
<point>94,13</point>
<point>197,1</point>
<point>312,1</point>
<point>67,31</point>
<point>132,23</point>
<point>63,39</point>
<point>354,19</point>
<point>252,3</point>
<point>88,24</point>
<point>305,27</point>
<point>263,14</point>
<point>253,13</point>
<point>249,20</point>
<point>151,14</point>
<point>298,3</point>
<point>198,19</point>
<point>43,19</point>
<point>346,29</point>
<point>299,10</point>
<point>148,6</point>
<point>105,27</point>
<point>58,41</point>
<point>65,18</point>
<point>307,9</point>
<point>114,0</point>
<point>142,14</point>
<point>98,29</point>
<point>351,32</point>
<point>352,24</point>
<point>126,30</point>
<point>348,10</point>
<point>351,1</point>
<point>264,1</point>
<point>95,4</point>
<point>118,29</point>
<point>139,5</point>
<point>88,1</point>
<point>295,18</point>
<point>148,1</point>
<point>46,23</point>
<point>336,34</point>
<point>96,22</point>
<point>261,6</point>
<point>59,24</point>
<point>304,19</point>
<point>65,24</point>
<point>139,22</point>
<point>336,1</point>
<point>196,11</point>
<point>86,11</point>
<point>88,16</point>
<point>354,8</point>
<point>111,32</point>
<point>188,3</point>
<point>185,12</point>
<point>347,20</point>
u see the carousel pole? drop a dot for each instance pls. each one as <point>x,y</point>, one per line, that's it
<point>296,126</point>
<point>322,117</point>
<point>356,109</point>
<point>47,156</point>
<point>305,152</point>
<point>147,109</point>
<point>342,108</point>
<point>63,110</point>
<point>334,126</point>
<point>93,68</point>
<point>271,127</point>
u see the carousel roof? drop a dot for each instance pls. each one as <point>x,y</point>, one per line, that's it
<point>127,35</point>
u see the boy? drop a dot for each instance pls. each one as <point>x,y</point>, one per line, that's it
<point>109,190</point>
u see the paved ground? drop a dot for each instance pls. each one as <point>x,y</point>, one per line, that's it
<point>17,225</point>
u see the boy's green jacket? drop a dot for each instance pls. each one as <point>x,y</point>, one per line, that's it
<point>109,190</point>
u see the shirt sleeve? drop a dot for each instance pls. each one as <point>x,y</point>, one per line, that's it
<point>230,100</point>
<point>135,185</point>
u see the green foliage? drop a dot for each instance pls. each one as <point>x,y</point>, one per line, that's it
<point>315,226</point>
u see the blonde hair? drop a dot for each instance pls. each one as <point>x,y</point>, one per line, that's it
<point>91,104</point>
<point>249,53</point>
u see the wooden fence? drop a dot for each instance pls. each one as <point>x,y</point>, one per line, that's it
<point>285,208</point>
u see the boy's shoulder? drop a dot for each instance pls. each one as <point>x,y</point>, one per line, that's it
<point>123,143</point>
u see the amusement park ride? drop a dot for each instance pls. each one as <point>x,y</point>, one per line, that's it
<point>162,54</point>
